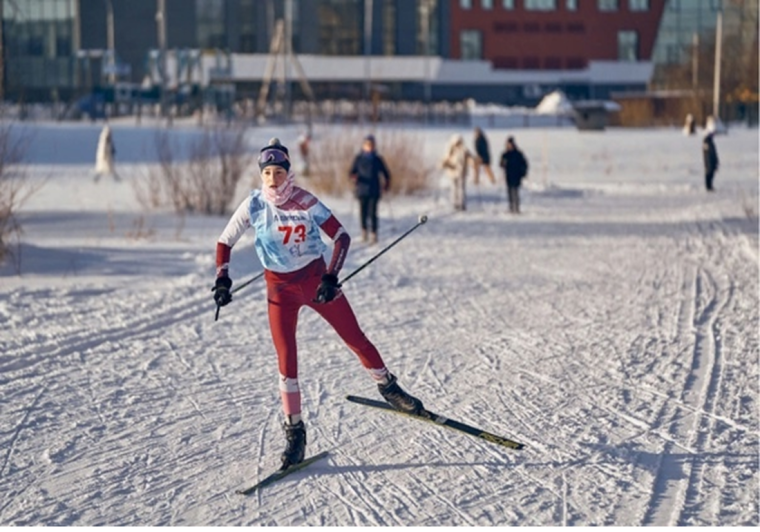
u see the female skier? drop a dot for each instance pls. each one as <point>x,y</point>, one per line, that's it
<point>287,220</point>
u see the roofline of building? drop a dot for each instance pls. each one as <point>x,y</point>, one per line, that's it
<point>241,68</point>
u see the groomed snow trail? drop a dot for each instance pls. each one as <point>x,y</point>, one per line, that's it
<point>612,328</point>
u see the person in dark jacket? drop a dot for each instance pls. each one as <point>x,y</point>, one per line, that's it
<point>365,172</point>
<point>483,156</point>
<point>515,167</point>
<point>710,156</point>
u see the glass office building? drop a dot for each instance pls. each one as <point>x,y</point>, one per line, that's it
<point>680,21</point>
<point>54,48</point>
<point>40,43</point>
<point>687,31</point>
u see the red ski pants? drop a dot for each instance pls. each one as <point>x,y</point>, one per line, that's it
<point>286,294</point>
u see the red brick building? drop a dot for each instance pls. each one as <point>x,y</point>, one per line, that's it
<point>554,34</point>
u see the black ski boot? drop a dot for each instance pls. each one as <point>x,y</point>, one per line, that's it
<point>398,398</point>
<point>296,448</point>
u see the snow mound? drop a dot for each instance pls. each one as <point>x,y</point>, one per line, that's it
<point>555,103</point>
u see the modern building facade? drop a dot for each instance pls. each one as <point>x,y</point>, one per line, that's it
<point>40,41</point>
<point>554,34</point>
<point>504,51</point>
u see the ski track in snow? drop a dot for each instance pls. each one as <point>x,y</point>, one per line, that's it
<point>612,328</point>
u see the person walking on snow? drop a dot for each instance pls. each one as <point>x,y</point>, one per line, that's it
<point>104,155</point>
<point>483,158</point>
<point>365,172</point>
<point>515,167</point>
<point>455,162</point>
<point>710,157</point>
<point>287,220</point>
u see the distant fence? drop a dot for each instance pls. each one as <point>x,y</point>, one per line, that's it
<point>323,112</point>
<point>410,112</point>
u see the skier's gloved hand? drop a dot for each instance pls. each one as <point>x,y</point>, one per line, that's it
<point>328,289</point>
<point>222,294</point>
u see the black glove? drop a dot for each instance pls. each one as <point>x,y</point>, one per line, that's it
<point>328,289</point>
<point>222,294</point>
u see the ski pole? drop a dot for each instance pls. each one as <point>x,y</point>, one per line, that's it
<point>422,220</point>
<point>390,212</point>
<point>243,285</point>
<point>249,281</point>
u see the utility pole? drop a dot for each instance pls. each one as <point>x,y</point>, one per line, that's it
<point>426,36</point>
<point>288,51</point>
<point>695,61</point>
<point>2,55</point>
<point>161,25</point>
<point>77,42</point>
<point>718,53</point>
<point>367,53</point>
<point>111,43</point>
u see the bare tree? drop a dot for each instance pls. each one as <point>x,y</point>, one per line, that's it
<point>15,188</point>
<point>331,157</point>
<point>204,184</point>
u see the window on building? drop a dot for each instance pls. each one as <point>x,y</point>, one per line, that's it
<point>296,26</point>
<point>540,5</point>
<point>465,4</point>
<point>471,44</point>
<point>38,44</point>
<point>571,5</point>
<point>486,4</point>
<point>505,62</point>
<point>638,5</point>
<point>247,43</point>
<point>389,28</point>
<point>716,5</point>
<point>35,46</point>
<point>673,54</point>
<point>427,27</point>
<point>505,27</point>
<point>607,5</point>
<point>628,46</point>
<point>508,4</point>
<point>341,28</point>
<point>63,44</point>
<point>210,28</point>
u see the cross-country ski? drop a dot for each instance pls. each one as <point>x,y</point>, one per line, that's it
<point>280,474</point>
<point>437,419</point>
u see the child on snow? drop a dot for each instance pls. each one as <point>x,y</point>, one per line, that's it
<point>455,161</point>
<point>287,220</point>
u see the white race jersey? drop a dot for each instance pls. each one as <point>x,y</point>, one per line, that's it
<point>287,237</point>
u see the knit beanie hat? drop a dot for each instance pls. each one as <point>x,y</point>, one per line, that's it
<point>275,154</point>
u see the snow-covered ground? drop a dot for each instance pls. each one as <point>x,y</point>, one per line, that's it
<point>612,328</point>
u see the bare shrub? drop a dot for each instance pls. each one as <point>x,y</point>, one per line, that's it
<point>140,229</point>
<point>332,155</point>
<point>206,183</point>
<point>15,188</point>
<point>749,205</point>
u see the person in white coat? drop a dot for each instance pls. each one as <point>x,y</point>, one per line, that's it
<point>456,161</point>
<point>104,156</point>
